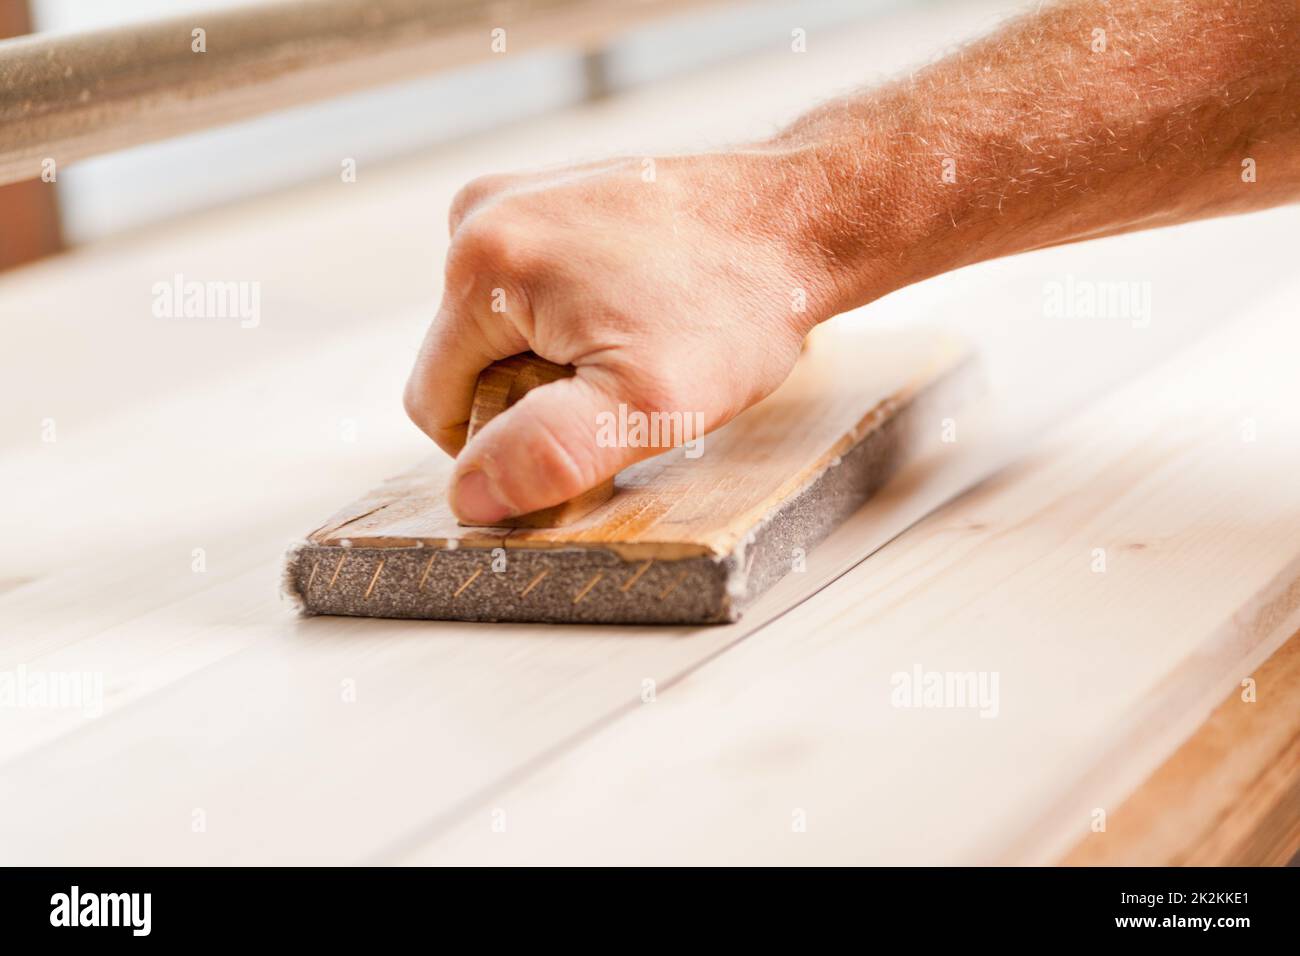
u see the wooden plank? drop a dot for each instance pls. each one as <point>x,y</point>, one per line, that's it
<point>217,699</point>
<point>217,702</point>
<point>1229,796</point>
<point>799,748</point>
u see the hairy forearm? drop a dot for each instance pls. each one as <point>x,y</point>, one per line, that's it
<point>1087,118</point>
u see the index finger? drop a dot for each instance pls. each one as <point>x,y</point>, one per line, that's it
<point>440,390</point>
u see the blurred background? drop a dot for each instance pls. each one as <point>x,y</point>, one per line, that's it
<point>108,195</point>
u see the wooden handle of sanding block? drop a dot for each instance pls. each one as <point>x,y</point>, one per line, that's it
<point>499,386</point>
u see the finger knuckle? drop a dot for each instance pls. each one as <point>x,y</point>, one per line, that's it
<point>470,196</point>
<point>415,405</point>
<point>489,245</point>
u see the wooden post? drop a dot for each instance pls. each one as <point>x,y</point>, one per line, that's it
<point>29,214</point>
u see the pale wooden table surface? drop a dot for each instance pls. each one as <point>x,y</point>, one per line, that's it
<point>335,740</point>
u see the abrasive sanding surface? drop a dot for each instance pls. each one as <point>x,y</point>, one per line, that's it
<point>517,584</point>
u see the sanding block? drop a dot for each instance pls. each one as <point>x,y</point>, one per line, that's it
<point>690,536</point>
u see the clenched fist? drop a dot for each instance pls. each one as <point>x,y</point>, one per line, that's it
<point>674,286</point>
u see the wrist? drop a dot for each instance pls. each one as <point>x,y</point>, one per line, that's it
<point>752,202</point>
<point>870,199</point>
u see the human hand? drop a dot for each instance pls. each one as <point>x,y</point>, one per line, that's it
<point>679,285</point>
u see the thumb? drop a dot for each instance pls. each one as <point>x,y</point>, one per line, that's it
<point>537,453</point>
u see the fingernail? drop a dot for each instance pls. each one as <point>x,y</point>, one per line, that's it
<point>475,500</point>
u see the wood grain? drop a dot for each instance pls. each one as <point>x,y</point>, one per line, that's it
<point>1229,796</point>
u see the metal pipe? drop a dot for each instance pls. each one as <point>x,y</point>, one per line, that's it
<point>64,97</point>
